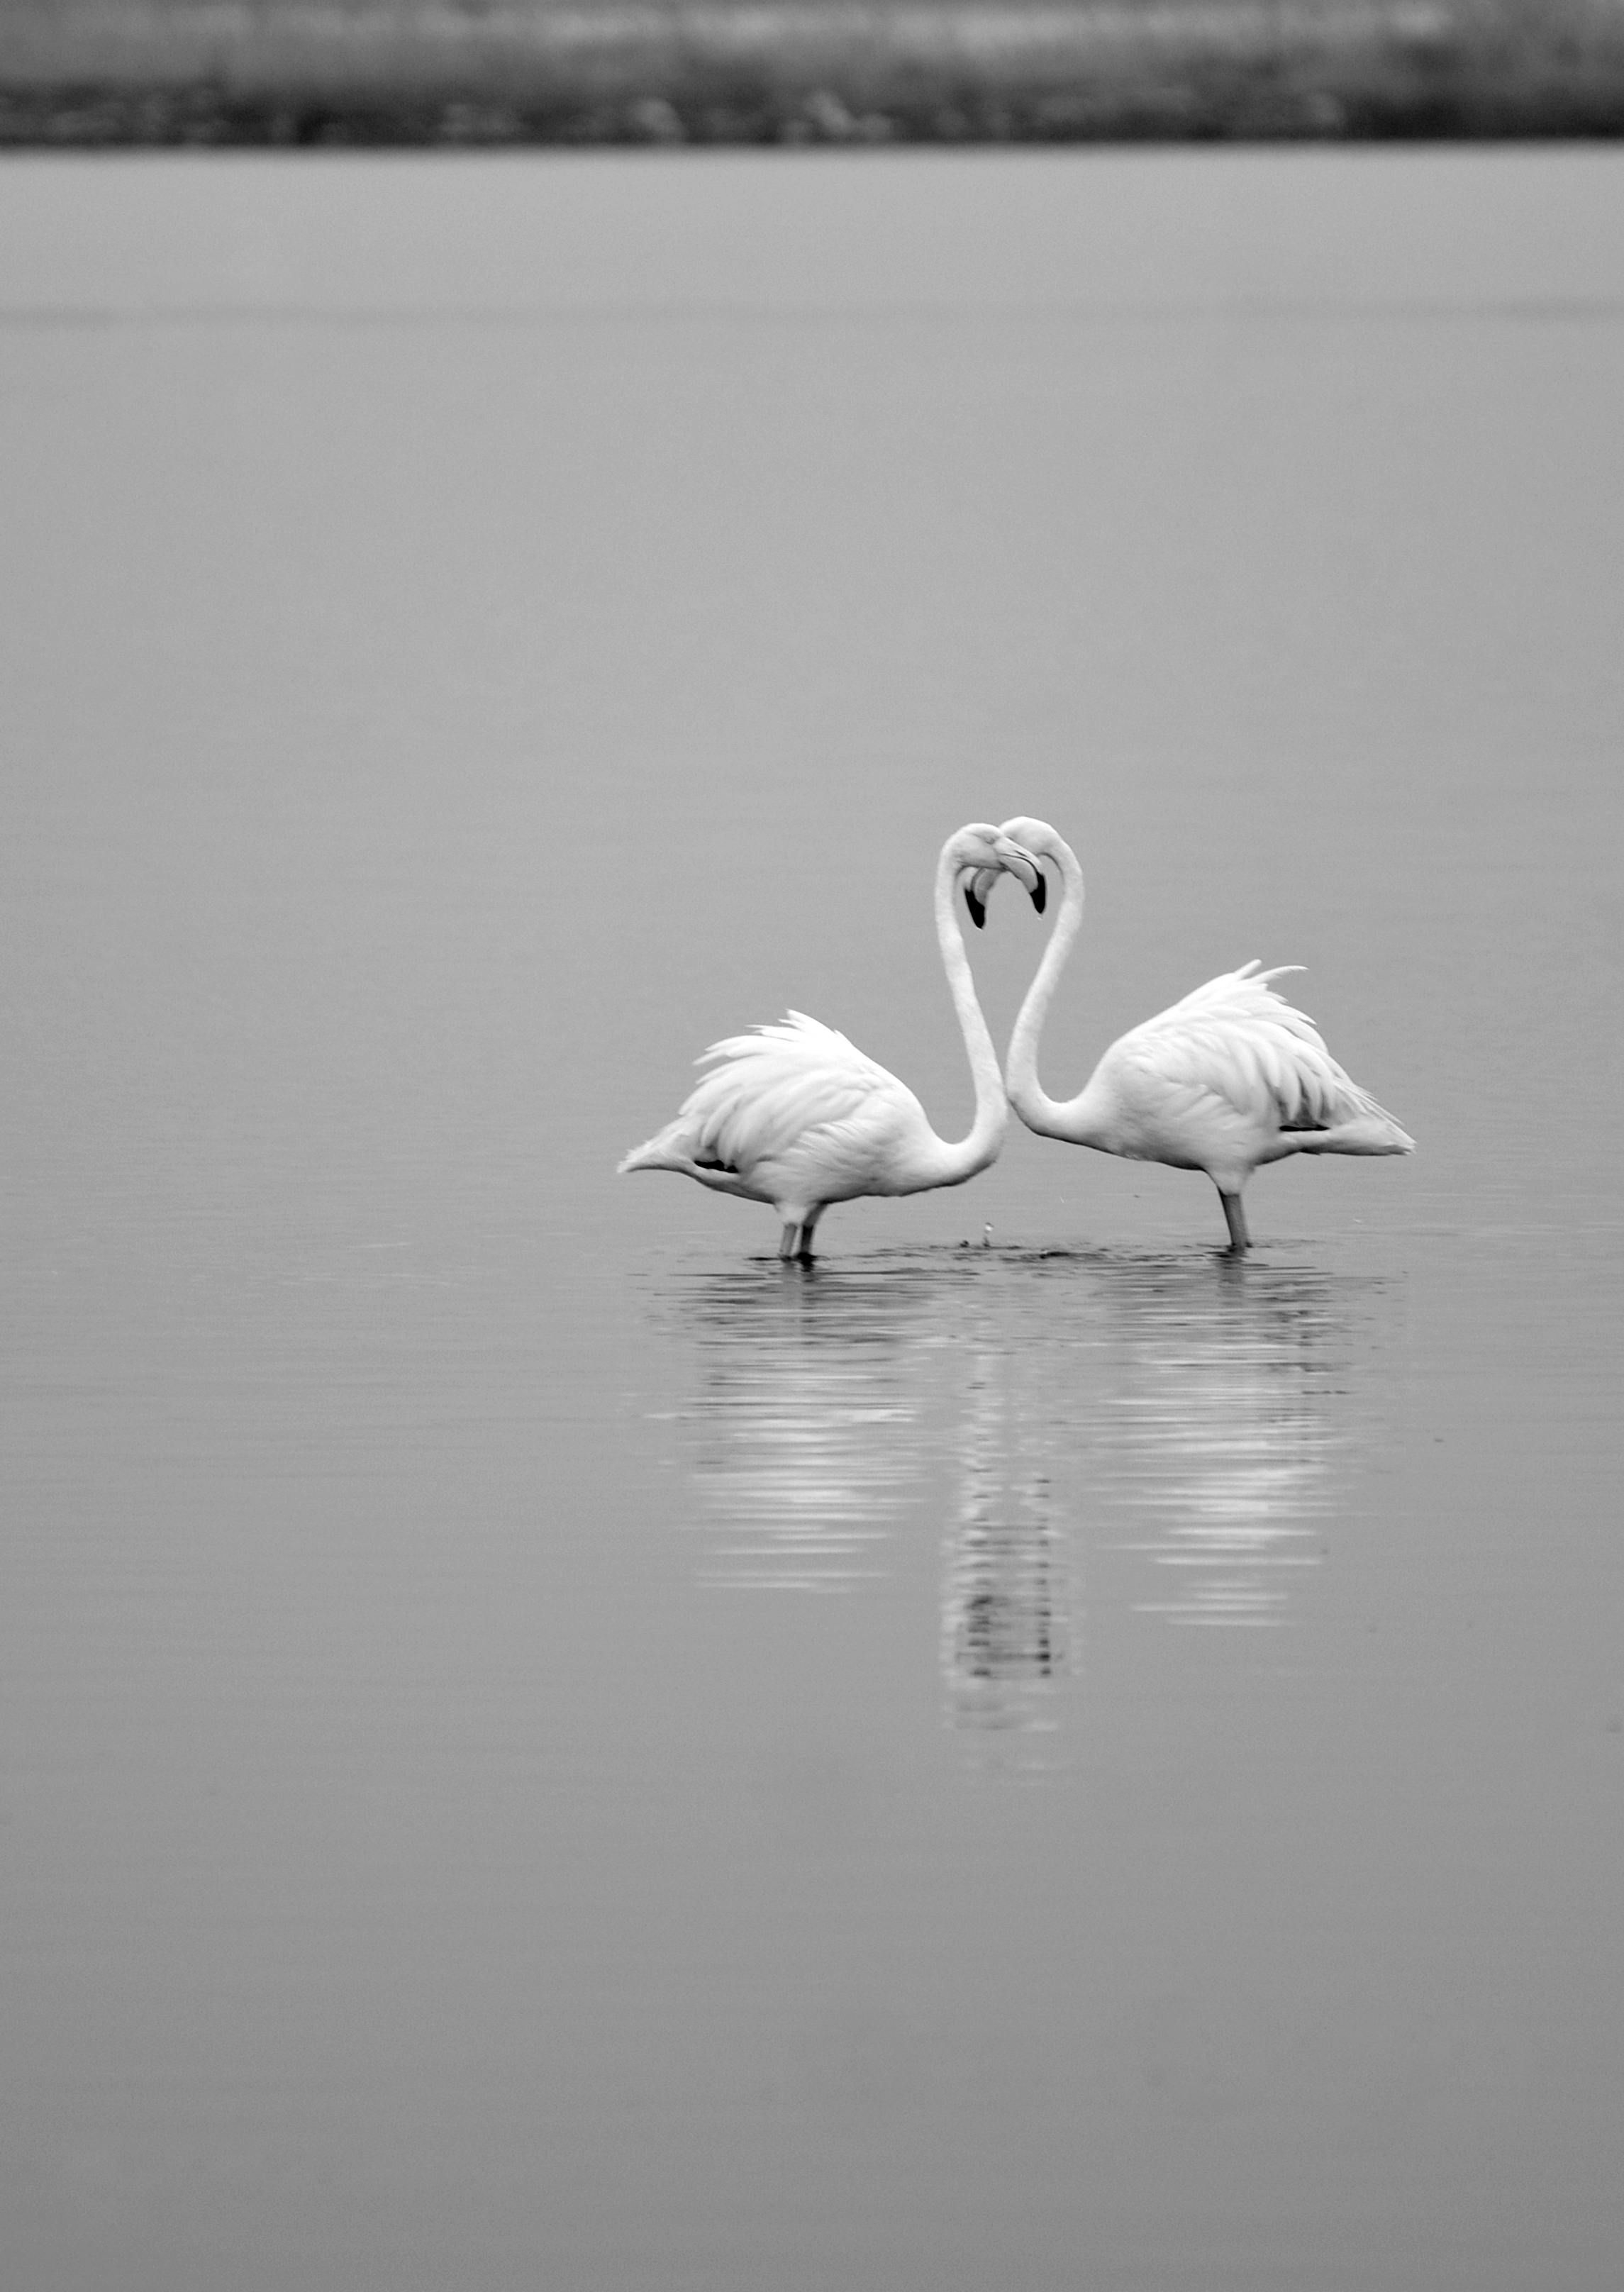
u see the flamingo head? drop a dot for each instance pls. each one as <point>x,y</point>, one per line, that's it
<point>999,855</point>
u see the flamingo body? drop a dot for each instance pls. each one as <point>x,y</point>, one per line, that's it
<point>796,1116</point>
<point>1223,1081</point>
<point>1227,1079</point>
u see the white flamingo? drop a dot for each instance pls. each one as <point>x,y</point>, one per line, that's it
<point>1228,1079</point>
<point>794,1115</point>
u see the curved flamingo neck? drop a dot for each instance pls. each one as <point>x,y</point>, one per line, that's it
<point>980,1147</point>
<point>1027,1095</point>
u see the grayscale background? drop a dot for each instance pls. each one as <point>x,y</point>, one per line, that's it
<point>539,1748</point>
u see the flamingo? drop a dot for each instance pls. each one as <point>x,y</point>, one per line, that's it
<point>1228,1079</point>
<point>794,1115</point>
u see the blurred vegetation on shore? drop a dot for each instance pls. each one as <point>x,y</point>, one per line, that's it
<point>267,72</point>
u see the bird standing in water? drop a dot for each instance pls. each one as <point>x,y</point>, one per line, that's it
<point>1228,1079</point>
<point>794,1115</point>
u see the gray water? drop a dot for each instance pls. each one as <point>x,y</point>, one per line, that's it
<point>541,1748</point>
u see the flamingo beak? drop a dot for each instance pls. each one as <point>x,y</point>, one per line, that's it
<point>1020,863</point>
<point>975,894</point>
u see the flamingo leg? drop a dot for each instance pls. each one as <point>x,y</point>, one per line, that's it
<point>789,1240</point>
<point>1235,1217</point>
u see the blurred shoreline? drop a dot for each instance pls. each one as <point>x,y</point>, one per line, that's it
<point>88,73</point>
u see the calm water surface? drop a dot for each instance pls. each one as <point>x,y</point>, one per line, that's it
<point>541,1748</point>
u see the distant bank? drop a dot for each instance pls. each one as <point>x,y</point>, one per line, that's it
<point>109,72</point>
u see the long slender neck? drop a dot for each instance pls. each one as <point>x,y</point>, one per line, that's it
<point>974,1153</point>
<point>1027,1095</point>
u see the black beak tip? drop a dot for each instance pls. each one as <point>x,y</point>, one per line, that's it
<point>978,914</point>
<point>1041,897</point>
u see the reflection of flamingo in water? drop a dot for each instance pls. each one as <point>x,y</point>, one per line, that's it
<point>794,1115</point>
<point>1228,1079</point>
<point>805,1441</point>
<point>1229,1406</point>
<point>1008,1565</point>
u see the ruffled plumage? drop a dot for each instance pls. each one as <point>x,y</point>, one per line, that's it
<point>1238,1038</point>
<point>784,1097</point>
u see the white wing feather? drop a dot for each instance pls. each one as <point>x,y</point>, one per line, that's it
<point>796,1110</point>
<point>1240,1039</point>
<point>767,1089</point>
